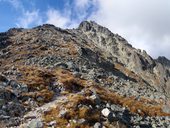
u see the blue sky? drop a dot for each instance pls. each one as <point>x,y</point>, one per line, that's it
<point>144,23</point>
<point>30,13</point>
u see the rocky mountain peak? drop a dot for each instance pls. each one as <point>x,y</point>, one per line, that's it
<point>163,60</point>
<point>84,77</point>
<point>46,26</point>
<point>94,27</point>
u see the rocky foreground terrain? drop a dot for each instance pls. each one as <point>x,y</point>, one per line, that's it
<point>86,77</point>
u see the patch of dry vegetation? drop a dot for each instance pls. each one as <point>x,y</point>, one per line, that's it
<point>142,106</point>
<point>74,112</point>
<point>38,80</point>
<point>128,73</point>
<point>71,48</point>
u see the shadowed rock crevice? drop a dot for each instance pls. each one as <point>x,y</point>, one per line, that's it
<point>4,41</point>
<point>102,63</point>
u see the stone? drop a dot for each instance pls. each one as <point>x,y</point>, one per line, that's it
<point>97,125</point>
<point>111,117</point>
<point>139,111</point>
<point>81,121</point>
<point>52,123</point>
<point>115,108</point>
<point>108,105</point>
<point>24,88</point>
<point>2,117</point>
<point>106,112</point>
<point>166,108</point>
<point>3,78</point>
<point>96,98</point>
<point>40,99</point>
<point>70,65</point>
<point>2,101</point>
<point>35,123</point>
<point>13,84</point>
<point>154,125</point>
<point>77,74</point>
<point>61,65</point>
<point>62,113</point>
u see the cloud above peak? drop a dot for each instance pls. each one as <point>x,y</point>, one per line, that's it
<point>81,3</point>
<point>145,24</point>
<point>28,18</point>
<point>56,18</point>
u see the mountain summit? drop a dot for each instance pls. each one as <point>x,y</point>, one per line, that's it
<point>83,77</point>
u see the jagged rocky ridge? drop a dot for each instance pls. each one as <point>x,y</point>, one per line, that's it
<point>84,77</point>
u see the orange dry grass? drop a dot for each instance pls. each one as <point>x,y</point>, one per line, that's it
<point>70,49</point>
<point>127,72</point>
<point>38,78</point>
<point>142,107</point>
<point>73,112</point>
<point>38,82</point>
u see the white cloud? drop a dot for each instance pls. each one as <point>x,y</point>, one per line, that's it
<point>64,18</point>
<point>82,8</point>
<point>144,23</point>
<point>56,18</point>
<point>28,18</point>
<point>17,4</point>
<point>81,3</point>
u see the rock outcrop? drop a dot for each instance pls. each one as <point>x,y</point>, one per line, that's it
<point>84,77</point>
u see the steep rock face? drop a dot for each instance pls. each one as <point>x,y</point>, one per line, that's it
<point>164,61</point>
<point>155,73</point>
<point>53,77</point>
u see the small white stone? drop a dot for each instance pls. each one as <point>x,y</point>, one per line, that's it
<point>52,123</point>
<point>105,112</point>
<point>97,125</point>
<point>139,111</point>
